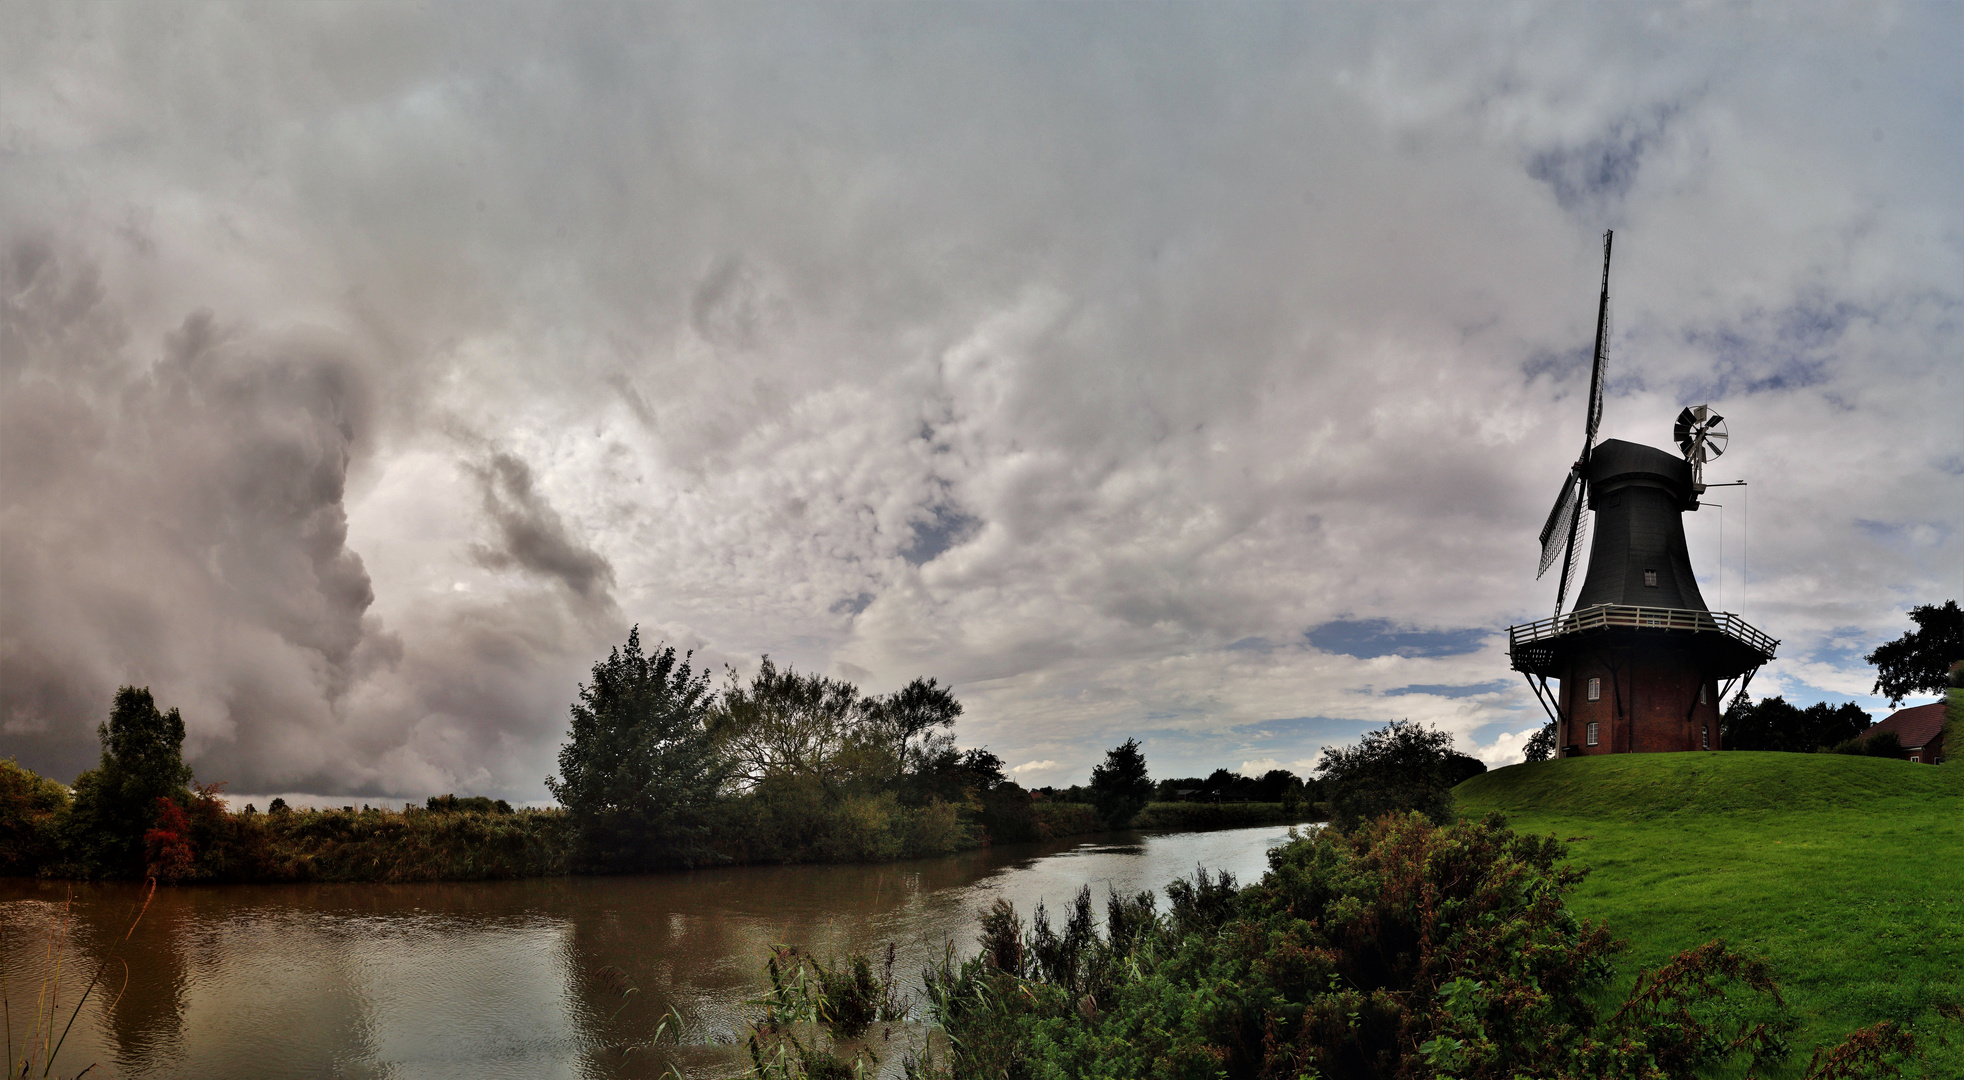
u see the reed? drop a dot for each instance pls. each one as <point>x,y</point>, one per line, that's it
<point>41,1032</point>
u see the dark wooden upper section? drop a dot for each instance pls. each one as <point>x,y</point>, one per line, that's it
<point>1637,555</point>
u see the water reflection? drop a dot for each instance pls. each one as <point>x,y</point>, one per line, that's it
<point>518,979</point>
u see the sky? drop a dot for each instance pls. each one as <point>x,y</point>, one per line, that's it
<point>1195,373</point>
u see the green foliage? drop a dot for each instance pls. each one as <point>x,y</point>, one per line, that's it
<point>1006,814</point>
<point>1399,948</point>
<point>1541,744</point>
<point>390,846</point>
<point>790,819</point>
<point>1396,768</point>
<point>1920,660</point>
<point>1223,785</point>
<point>916,722</point>
<point>1120,786</point>
<point>1188,816</point>
<point>32,811</point>
<point>1882,744</point>
<point>808,1019</point>
<point>1773,724</point>
<point>1841,872</point>
<point>1056,818</point>
<point>783,725</point>
<point>115,803</point>
<point>639,771</point>
<point>471,804</point>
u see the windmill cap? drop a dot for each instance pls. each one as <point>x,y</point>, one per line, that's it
<point>1616,464</point>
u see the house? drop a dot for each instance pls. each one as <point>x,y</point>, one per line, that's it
<point>1920,728</point>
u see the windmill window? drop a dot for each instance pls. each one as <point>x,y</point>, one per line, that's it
<point>1701,693</point>
<point>1595,689</point>
<point>1592,733</point>
<point>1706,735</point>
<point>1650,579</point>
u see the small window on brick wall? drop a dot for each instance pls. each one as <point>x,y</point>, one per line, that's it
<point>1595,689</point>
<point>1650,579</point>
<point>1707,736</point>
<point>1592,733</point>
<point>1701,694</point>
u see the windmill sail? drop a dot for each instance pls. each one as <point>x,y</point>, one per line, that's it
<point>1554,534</point>
<point>1575,490</point>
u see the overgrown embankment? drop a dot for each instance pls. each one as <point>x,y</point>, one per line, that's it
<point>1184,816</point>
<point>1846,873</point>
<point>394,846</point>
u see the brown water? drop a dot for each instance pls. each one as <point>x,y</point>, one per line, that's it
<point>496,979</point>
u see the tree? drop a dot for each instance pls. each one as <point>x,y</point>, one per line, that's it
<point>1120,787</point>
<point>1775,724</point>
<point>116,802</point>
<point>1541,744</point>
<point>916,720</point>
<point>1396,768</point>
<point>639,770</point>
<point>786,725</point>
<point>1461,768</point>
<point>1919,661</point>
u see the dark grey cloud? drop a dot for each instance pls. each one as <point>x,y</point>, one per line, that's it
<point>163,519</point>
<point>1083,356</point>
<point>531,535</point>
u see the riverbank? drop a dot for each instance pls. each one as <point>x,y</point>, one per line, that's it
<point>1843,872</point>
<point>484,843</point>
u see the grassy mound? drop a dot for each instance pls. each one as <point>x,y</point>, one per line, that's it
<point>1847,873</point>
<point>1652,785</point>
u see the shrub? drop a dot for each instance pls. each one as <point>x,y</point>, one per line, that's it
<point>32,809</point>
<point>1400,948</point>
<point>1400,767</point>
<point>167,851</point>
<point>470,804</point>
<point>1006,815</point>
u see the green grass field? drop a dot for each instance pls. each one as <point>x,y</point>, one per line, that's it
<point>1847,873</point>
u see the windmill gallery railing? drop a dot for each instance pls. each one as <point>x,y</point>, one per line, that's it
<point>1621,617</point>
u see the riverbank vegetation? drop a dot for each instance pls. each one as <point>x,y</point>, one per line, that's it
<point>1787,916</point>
<point>1399,947</point>
<point>659,770</point>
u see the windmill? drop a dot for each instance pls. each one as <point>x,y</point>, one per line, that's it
<point>1639,659</point>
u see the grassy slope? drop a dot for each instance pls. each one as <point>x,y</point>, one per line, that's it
<point>1846,872</point>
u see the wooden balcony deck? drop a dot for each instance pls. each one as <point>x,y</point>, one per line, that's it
<point>1537,647</point>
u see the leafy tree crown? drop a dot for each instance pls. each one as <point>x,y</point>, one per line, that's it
<point>1920,660</point>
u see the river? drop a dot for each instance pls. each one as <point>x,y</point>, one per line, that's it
<point>507,978</point>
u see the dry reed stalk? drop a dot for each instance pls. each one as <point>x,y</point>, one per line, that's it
<point>50,992</point>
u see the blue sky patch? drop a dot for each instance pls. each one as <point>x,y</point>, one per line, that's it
<point>1443,690</point>
<point>1368,639</point>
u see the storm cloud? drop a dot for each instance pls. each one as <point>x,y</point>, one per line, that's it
<point>1201,374</point>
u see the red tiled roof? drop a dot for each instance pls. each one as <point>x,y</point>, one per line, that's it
<point>1914,726</point>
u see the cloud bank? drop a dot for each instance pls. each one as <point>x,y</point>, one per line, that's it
<point>1191,374</point>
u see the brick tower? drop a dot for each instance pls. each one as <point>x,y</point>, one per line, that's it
<point>1641,664</point>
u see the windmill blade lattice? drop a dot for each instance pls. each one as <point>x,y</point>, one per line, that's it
<point>1577,536</point>
<point>1554,534</point>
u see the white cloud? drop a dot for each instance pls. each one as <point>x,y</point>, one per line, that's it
<point>1036,767</point>
<point>894,343</point>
